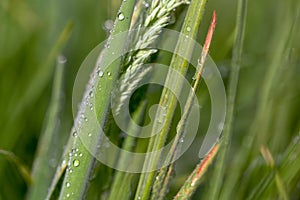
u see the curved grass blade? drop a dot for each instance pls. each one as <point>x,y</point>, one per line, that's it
<point>24,171</point>
<point>43,167</point>
<point>168,100</point>
<point>161,184</point>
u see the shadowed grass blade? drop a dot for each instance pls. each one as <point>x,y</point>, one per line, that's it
<point>233,85</point>
<point>21,167</point>
<point>194,179</point>
<point>47,156</point>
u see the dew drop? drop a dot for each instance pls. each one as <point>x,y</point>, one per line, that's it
<point>76,163</point>
<point>90,134</point>
<point>68,195</point>
<point>146,4</point>
<point>80,155</point>
<point>108,74</point>
<point>100,73</point>
<point>108,25</point>
<point>68,184</point>
<point>188,29</point>
<point>91,94</point>
<point>181,140</point>
<point>75,134</point>
<point>157,178</point>
<point>121,17</point>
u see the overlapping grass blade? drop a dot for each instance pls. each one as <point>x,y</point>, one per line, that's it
<point>122,183</point>
<point>233,85</point>
<point>168,100</point>
<point>162,182</point>
<point>47,156</point>
<point>194,179</point>
<point>262,119</point>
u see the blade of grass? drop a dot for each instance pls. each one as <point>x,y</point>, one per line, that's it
<point>40,79</point>
<point>81,169</point>
<point>43,167</point>
<point>263,113</point>
<point>35,88</point>
<point>191,184</point>
<point>122,181</point>
<point>23,169</point>
<point>161,184</point>
<point>168,100</point>
<point>233,84</point>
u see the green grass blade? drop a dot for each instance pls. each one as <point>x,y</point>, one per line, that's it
<point>23,169</point>
<point>123,180</point>
<point>191,184</point>
<point>168,100</point>
<point>233,84</point>
<point>43,167</point>
<point>35,88</point>
<point>161,184</point>
<point>81,169</point>
<point>262,118</point>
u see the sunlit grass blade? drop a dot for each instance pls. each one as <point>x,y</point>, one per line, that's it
<point>47,156</point>
<point>80,169</point>
<point>233,85</point>
<point>163,179</point>
<point>194,179</point>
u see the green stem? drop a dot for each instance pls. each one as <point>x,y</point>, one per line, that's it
<point>123,180</point>
<point>79,169</point>
<point>43,168</point>
<point>168,99</point>
<point>233,84</point>
<point>161,184</point>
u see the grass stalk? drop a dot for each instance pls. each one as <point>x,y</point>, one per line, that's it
<point>161,184</point>
<point>39,81</point>
<point>233,84</point>
<point>80,168</point>
<point>194,179</point>
<point>263,114</point>
<point>46,158</point>
<point>120,188</point>
<point>23,169</point>
<point>168,100</point>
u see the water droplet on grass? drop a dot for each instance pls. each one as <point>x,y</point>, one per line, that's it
<point>75,134</point>
<point>121,17</point>
<point>76,163</point>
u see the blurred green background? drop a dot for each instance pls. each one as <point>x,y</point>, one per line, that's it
<point>29,30</point>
